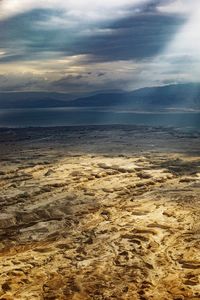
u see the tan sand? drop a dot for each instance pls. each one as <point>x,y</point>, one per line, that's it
<point>85,217</point>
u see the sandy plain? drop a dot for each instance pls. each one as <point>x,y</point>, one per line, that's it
<point>99,212</point>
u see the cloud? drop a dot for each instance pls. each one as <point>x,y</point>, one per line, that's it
<point>89,10</point>
<point>87,45</point>
<point>136,37</point>
<point>132,37</point>
<point>179,6</point>
<point>68,75</point>
<point>179,60</point>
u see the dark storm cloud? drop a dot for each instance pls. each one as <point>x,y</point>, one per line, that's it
<point>137,37</point>
<point>61,50</point>
<point>24,40</point>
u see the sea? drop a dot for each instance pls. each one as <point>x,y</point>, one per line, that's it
<point>52,117</point>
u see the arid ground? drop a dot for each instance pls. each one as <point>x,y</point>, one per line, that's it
<point>99,213</point>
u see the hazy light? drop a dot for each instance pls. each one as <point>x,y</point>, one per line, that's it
<point>180,60</point>
<point>2,52</point>
<point>179,6</point>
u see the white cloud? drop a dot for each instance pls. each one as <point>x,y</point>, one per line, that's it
<point>179,6</point>
<point>86,9</point>
<point>2,52</point>
<point>180,60</point>
<point>185,46</point>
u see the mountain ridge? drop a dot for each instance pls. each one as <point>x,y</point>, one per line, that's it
<point>149,98</point>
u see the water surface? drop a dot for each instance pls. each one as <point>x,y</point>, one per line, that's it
<point>73,116</point>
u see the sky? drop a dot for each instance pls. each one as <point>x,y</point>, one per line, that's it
<point>81,46</point>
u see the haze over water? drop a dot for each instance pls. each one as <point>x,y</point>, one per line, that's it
<point>67,116</point>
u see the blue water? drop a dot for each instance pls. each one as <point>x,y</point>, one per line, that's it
<point>70,116</point>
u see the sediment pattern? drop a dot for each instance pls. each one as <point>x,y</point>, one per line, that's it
<point>98,226</point>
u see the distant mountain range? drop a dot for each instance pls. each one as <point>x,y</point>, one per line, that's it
<point>179,96</point>
<point>33,99</point>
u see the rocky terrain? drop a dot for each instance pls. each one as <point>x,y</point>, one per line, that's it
<point>99,213</point>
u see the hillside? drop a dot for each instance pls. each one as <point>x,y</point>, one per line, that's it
<point>184,96</point>
<point>171,96</point>
<point>33,99</point>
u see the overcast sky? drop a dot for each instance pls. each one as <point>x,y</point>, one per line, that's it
<point>86,45</point>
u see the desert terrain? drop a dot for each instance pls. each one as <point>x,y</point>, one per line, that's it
<point>99,212</point>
